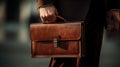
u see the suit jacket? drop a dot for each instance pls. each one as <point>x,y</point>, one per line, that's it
<point>113,4</point>
<point>89,10</point>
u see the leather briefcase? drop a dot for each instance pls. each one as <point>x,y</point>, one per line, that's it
<point>57,40</point>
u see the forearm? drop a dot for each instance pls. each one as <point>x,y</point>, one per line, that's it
<point>41,3</point>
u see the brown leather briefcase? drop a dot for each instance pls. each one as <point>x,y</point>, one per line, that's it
<point>57,40</point>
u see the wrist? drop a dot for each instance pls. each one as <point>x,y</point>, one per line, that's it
<point>43,6</point>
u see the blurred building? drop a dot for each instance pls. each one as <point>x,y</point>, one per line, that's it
<point>15,17</point>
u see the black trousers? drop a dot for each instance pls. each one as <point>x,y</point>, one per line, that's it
<point>94,25</point>
<point>93,40</point>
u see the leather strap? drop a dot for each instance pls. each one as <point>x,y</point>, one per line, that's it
<point>58,20</point>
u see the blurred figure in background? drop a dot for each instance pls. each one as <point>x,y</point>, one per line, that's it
<point>113,16</point>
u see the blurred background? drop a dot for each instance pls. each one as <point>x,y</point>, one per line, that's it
<point>15,46</point>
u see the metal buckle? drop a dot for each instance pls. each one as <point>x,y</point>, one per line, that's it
<point>55,41</point>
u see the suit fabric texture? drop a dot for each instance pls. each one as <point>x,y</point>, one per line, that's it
<point>95,21</point>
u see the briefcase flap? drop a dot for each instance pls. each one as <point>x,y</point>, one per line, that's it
<point>48,32</point>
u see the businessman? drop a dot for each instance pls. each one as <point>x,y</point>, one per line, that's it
<point>95,22</point>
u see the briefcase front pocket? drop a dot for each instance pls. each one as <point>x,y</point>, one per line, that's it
<point>56,40</point>
<point>49,49</point>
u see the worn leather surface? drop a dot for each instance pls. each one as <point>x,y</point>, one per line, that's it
<point>68,35</point>
<point>66,31</point>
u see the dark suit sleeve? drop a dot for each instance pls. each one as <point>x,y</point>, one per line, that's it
<point>44,2</point>
<point>113,4</point>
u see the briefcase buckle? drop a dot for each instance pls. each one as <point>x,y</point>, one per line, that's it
<point>55,41</point>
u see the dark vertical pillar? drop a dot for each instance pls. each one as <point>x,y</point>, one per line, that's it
<point>12,20</point>
<point>12,10</point>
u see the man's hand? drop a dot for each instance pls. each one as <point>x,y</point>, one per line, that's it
<point>48,14</point>
<point>113,20</point>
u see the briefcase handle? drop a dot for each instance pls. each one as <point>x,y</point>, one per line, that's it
<point>58,20</point>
